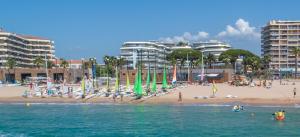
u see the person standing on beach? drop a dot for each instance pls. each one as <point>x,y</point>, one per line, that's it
<point>179,97</point>
<point>30,85</point>
<point>214,89</point>
<point>122,97</point>
<point>294,91</point>
<point>114,97</point>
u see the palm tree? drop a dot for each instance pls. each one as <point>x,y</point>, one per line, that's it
<point>210,60</point>
<point>10,64</point>
<point>226,60</point>
<point>38,62</point>
<point>107,62</point>
<point>296,53</point>
<point>113,61</point>
<point>266,61</point>
<point>121,62</point>
<point>50,64</point>
<point>197,62</point>
<point>64,63</point>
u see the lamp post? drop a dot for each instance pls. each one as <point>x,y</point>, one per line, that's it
<point>93,61</point>
<point>188,63</point>
<point>202,67</point>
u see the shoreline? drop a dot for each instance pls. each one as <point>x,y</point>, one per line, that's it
<point>220,101</point>
<point>278,94</point>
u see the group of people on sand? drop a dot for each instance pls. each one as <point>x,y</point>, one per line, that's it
<point>263,83</point>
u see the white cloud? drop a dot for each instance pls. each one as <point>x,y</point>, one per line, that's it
<point>187,36</point>
<point>242,28</point>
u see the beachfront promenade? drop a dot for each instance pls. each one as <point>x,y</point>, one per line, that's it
<point>226,94</point>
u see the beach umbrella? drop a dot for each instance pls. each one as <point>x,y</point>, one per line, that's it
<point>164,82</point>
<point>154,81</point>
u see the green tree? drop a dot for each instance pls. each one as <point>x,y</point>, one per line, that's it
<point>50,64</point>
<point>110,63</point>
<point>254,62</point>
<point>210,59</point>
<point>121,62</point>
<point>181,55</point>
<point>64,64</point>
<point>226,60</point>
<point>10,64</point>
<point>181,43</point>
<point>266,61</point>
<point>296,53</point>
<point>234,54</point>
<point>38,61</point>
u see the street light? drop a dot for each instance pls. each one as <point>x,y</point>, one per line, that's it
<point>93,61</point>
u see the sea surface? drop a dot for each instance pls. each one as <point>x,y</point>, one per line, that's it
<point>108,120</point>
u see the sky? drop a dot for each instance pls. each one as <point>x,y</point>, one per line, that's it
<point>94,28</point>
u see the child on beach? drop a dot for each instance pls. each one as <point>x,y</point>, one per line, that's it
<point>294,91</point>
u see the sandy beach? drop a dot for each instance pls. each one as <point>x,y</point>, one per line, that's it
<point>276,95</point>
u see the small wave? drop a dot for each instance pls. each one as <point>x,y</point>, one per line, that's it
<point>204,105</point>
<point>4,134</point>
<point>60,104</point>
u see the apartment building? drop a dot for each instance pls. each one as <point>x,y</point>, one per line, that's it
<point>213,47</point>
<point>146,52</point>
<point>277,40</point>
<point>24,49</point>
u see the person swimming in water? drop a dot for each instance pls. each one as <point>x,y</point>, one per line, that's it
<point>237,108</point>
<point>279,115</point>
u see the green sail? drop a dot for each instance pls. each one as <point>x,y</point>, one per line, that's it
<point>83,86</point>
<point>154,81</point>
<point>135,88</point>
<point>139,86</point>
<point>164,82</point>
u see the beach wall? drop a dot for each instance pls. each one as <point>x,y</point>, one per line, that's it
<point>20,74</point>
<point>182,75</point>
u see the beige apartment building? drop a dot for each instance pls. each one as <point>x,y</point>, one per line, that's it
<point>278,39</point>
<point>24,49</point>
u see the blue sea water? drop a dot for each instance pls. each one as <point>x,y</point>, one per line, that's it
<point>144,120</point>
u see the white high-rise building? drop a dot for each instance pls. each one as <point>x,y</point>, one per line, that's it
<point>146,52</point>
<point>213,47</point>
<point>24,49</point>
<point>278,38</point>
<point>132,51</point>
